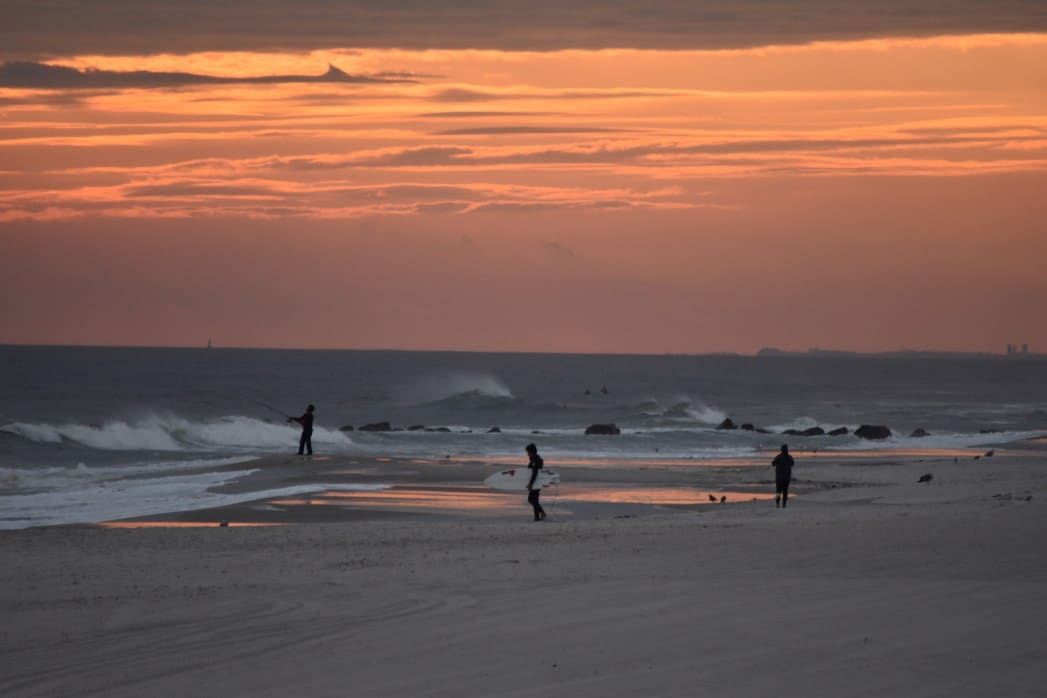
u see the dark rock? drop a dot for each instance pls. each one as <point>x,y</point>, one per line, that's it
<point>602,429</point>
<point>793,432</point>
<point>347,427</point>
<point>748,427</point>
<point>727,424</point>
<point>440,429</point>
<point>873,432</point>
<point>416,427</point>
<point>813,431</point>
<point>920,433</point>
<point>377,426</point>
<point>763,431</point>
<point>494,430</point>
<point>926,478</point>
<point>840,431</point>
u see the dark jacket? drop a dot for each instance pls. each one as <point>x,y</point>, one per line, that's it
<point>535,465</point>
<point>783,466</point>
<point>306,420</point>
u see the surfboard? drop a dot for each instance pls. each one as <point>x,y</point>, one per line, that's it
<point>516,479</point>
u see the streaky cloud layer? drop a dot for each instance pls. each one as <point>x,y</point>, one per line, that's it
<point>149,26</point>
<point>28,74</point>
<point>870,194</point>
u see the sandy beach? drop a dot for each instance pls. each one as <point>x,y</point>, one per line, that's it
<point>869,584</point>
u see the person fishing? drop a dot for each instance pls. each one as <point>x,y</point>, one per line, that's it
<point>535,464</point>
<point>306,420</point>
<point>783,473</point>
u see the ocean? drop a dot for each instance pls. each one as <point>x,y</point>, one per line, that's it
<point>92,433</point>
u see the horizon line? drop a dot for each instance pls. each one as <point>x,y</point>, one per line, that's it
<point>763,352</point>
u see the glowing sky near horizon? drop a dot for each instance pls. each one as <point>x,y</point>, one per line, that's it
<point>870,194</point>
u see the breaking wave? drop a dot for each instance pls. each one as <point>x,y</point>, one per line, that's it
<point>441,387</point>
<point>685,409</point>
<point>173,433</point>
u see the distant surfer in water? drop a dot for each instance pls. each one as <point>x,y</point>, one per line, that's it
<point>535,464</point>
<point>783,473</point>
<point>306,420</point>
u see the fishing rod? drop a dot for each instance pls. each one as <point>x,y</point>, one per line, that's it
<point>267,406</point>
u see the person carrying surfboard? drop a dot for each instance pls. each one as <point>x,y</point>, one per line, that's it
<point>533,493</point>
<point>306,420</point>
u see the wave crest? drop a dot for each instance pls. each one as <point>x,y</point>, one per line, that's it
<point>684,408</point>
<point>453,385</point>
<point>173,433</point>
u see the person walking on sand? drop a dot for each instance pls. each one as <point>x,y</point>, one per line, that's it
<point>306,420</point>
<point>533,493</point>
<point>783,473</point>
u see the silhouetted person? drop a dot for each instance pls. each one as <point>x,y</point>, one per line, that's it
<point>535,464</point>
<point>305,444</point>
<point>783,473</point>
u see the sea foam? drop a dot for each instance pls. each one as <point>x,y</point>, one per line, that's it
<point>173,433</point>
<point>437,387</point>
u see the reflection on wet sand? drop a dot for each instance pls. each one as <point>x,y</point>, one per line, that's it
<point>664,496</point>
<point>401,498</point>
<point>637,463</point>
<point>760,459</point>
<point>478,499</point>
<point>183,524</point>
<point>893,454</point>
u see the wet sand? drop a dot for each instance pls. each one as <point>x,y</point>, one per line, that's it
<point>869,584</point>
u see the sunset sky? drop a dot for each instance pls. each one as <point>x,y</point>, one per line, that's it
<point>660,176</point>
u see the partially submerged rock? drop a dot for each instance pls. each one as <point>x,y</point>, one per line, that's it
<point>872,432</point>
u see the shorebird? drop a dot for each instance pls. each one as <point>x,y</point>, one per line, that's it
<point>988,454</point>
<point>723,499</point>
<point>926,478</point>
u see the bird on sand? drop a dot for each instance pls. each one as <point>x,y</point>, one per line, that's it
<point>988,454</point>
<point>723,499</point>
<point>926,478</point>
<point>712,498</point>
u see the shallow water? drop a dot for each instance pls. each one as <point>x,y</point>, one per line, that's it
<point>90,431</point>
